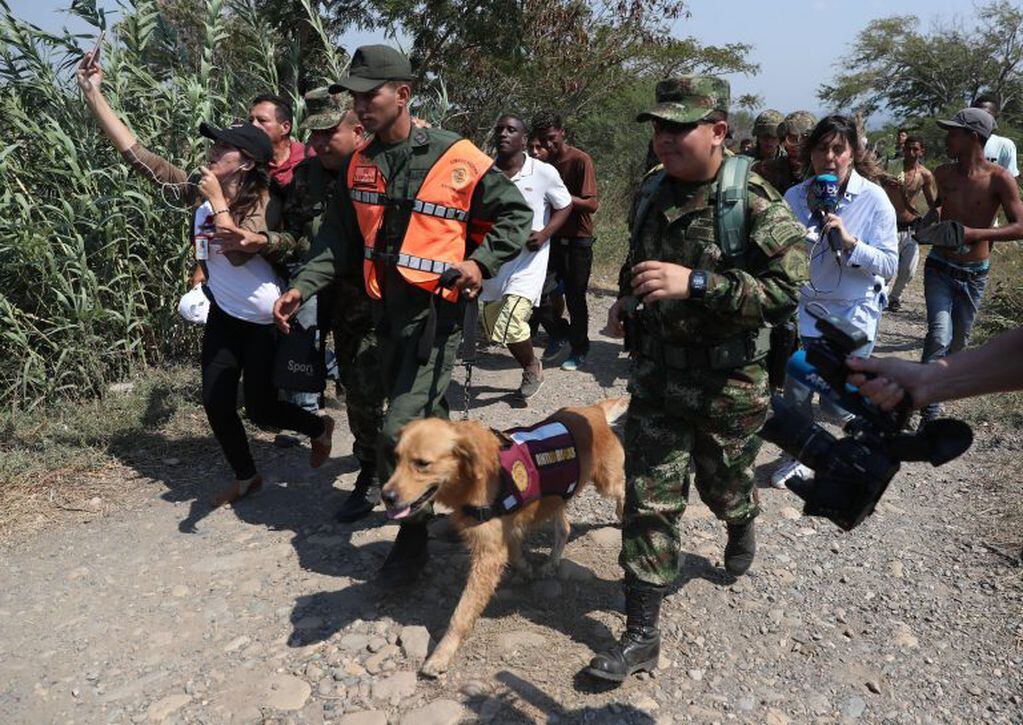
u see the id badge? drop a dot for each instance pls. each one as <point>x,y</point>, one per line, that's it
<point>202,247</point>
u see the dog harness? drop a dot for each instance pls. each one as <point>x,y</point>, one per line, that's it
<point>535,462</point>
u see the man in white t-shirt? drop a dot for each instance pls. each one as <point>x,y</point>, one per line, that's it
<point>998,149</point>
<point>509,298</point>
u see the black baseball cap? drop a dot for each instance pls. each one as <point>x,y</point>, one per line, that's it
<point>973,119</point>
<point>244,136</point>
<point>372,66</point>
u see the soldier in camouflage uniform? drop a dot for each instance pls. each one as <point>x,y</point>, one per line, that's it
<point>765,131</point>
<point>698,383</point>
<point>784,172</point>
<point>335,133</point>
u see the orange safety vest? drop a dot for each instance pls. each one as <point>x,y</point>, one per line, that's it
<point>439,228</point>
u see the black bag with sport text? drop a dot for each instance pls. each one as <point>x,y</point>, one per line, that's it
<point>300,366</point>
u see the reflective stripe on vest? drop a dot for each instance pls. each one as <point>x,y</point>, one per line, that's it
<point>439,226</point>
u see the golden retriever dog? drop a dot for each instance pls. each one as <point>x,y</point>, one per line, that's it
<point>458,465</point>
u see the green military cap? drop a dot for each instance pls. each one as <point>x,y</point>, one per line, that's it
<point>688,99</point>
<point>372,66</point>
<point>324,110</point>
<point>767,122</point>
<point>799,123</point>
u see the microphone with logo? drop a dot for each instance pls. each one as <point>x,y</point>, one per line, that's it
<point>824,198</point>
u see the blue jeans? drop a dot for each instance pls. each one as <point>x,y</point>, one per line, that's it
<point>953,298</point>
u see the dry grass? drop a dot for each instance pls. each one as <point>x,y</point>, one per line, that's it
<point>74,460</point>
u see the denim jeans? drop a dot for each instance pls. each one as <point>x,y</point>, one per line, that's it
<point>953,299</point>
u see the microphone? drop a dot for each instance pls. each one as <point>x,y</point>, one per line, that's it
<point>824,198</point>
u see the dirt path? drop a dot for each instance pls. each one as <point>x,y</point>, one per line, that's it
<point>164,611</point>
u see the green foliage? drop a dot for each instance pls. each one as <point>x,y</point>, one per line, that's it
<point>525,56</point>
<point>893,65</point>
<point>92,258</point>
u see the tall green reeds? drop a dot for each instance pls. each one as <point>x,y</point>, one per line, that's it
<point>93,258</point>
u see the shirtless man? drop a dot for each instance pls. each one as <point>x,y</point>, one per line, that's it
<point>970,191</point>
<point>912,179</point>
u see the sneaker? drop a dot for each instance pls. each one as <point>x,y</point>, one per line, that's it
<point>789,469</point>
<point>555,349</point>
<point>531,381</point>
<point>574,362</point>
<point>894,305</point>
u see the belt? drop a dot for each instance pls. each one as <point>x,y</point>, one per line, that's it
<point>957,273</point>
<point>734,353</point>
<point>906,226</point>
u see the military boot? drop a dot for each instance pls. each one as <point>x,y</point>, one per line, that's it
<point>407,558</point>
<point>360,502</point>
<point>640,645</point>
<point>740,549</point>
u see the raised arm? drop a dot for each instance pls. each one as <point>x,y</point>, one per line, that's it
<point>150,165</point>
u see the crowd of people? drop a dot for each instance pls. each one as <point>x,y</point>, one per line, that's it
<point>384,230</point>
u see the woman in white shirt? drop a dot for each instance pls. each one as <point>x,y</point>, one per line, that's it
<point>242,284</point>
<point>849,283</point>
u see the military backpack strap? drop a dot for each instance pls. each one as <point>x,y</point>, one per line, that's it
<point>731,209</point>
<point>648,189</point>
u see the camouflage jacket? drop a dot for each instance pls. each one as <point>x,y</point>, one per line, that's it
<point>679,228</point>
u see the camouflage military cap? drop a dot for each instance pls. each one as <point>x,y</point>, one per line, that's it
<point>688,99</point>
<point>324,110</point>
<point>800,123</point>
<point>767,122</point>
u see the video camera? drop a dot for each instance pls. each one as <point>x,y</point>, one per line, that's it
<point>853,472</point>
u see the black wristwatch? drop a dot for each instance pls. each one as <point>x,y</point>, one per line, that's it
<point>697,284</point>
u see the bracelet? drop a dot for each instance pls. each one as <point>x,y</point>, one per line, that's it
<point>220,211</point>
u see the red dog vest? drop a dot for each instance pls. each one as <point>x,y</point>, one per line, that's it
<point>536,462</point>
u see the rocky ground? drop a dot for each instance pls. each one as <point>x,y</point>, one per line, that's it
<point>159,609</point>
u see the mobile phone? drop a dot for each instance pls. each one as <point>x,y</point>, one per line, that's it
<point>95,49</point>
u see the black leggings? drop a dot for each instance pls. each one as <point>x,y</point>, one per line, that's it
<point>230,347</point>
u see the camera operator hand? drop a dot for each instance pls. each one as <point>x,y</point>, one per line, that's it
<point>991,368</point>
<point>894,379</point>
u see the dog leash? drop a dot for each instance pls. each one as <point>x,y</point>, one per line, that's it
<point>467,350</point>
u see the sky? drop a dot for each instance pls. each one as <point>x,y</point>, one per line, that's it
<point>797,45</point>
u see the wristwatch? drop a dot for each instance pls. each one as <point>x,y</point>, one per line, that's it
<point>697,284</point>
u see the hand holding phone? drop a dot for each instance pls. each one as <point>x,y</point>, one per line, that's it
<point>89,74</point>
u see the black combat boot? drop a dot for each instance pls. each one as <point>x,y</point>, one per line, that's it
<point>407,558</point>
<point>741,547</point>
<point>359,504</point>
<point>640,645</point>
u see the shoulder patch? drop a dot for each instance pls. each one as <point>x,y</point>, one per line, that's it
<point>761,187</point>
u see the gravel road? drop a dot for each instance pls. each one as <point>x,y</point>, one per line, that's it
<point>161,610</point>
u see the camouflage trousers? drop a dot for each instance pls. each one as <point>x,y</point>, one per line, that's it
<point>358,360</point>
<point>680,423</point>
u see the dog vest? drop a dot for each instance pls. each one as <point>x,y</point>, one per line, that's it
<point>535,462</point>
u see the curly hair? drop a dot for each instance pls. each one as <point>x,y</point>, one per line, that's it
<point>545,120</point>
